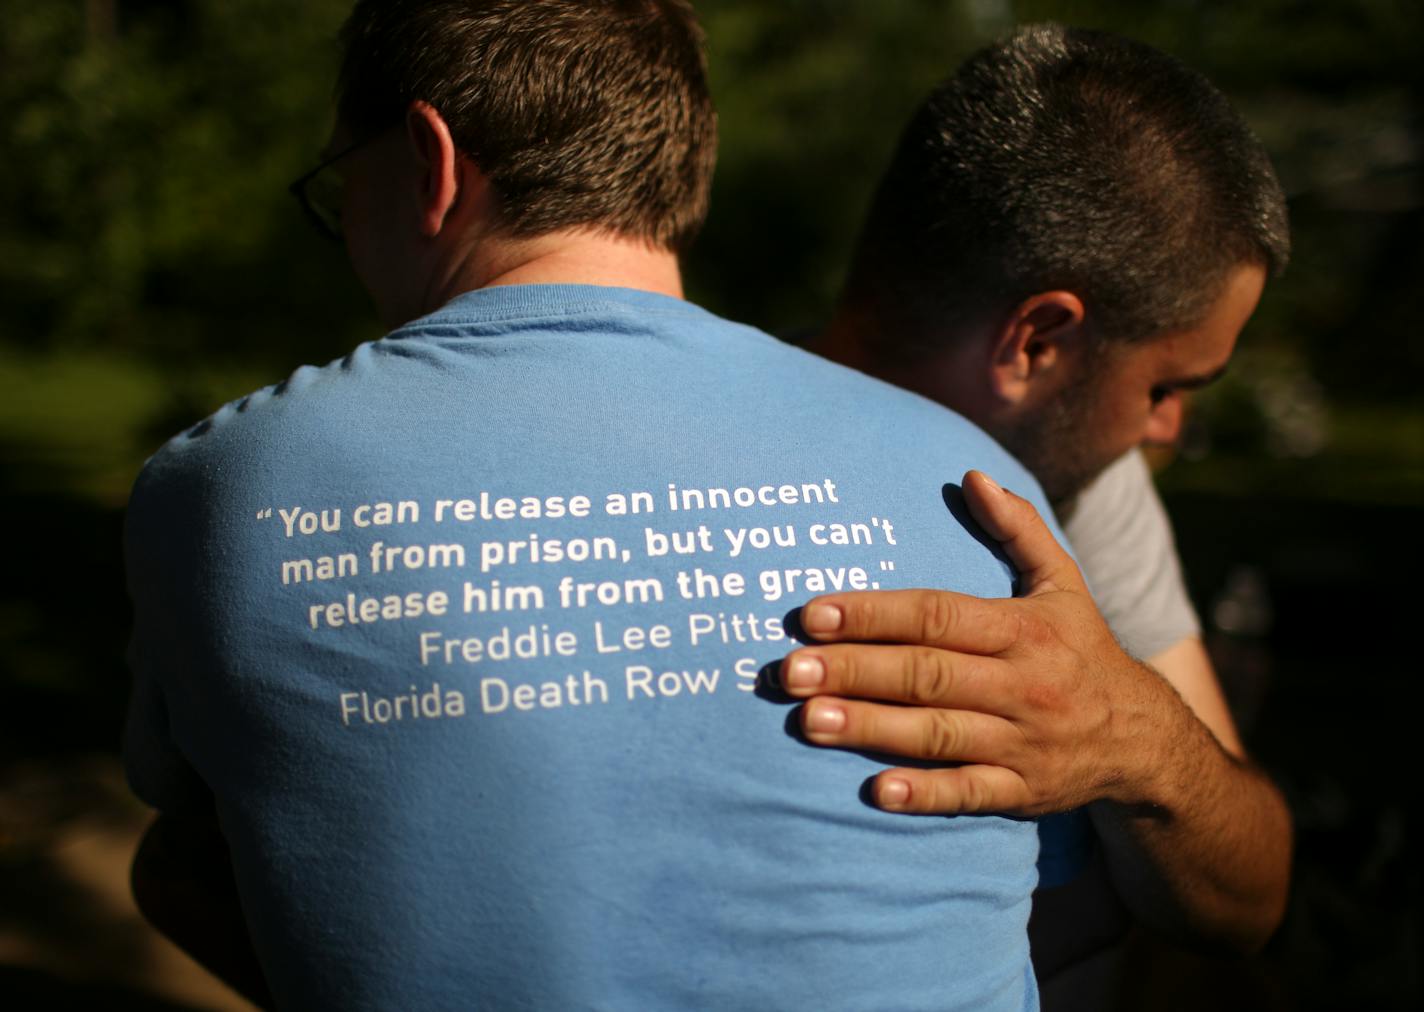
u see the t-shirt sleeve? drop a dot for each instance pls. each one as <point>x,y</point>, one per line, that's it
<point>1123,539</point>
<point>153,763</point>
<point>156,769</point>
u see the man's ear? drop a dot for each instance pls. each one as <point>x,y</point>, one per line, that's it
<point>1032,343</point>
<point>441,169</point>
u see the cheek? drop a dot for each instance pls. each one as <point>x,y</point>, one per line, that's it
<point>1165,421</point>
<point>353,217</point>
<point>363,250</point>
<point>358,252</point>
<point>1121,425</point>
<point>361,227</point>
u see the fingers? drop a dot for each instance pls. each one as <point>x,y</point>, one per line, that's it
<point>932,618</point>
<point>922,676</point>
<point>962,790</point>
<point>933,734</point>
<point>1030,545</point>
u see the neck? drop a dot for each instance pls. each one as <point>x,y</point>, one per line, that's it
<point>569,258</point>
<point>951,375</point>
<point>842,341</point>
<point>850,339</point>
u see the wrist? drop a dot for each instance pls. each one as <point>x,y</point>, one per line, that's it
<point>1158,750</point>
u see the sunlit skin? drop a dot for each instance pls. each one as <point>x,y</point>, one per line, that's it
<point>1125,395</point>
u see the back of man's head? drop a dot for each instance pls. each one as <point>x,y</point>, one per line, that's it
<point>582,115</point>
<point>1065,159</point>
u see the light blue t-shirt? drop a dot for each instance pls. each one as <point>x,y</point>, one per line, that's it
<point>460,634</point>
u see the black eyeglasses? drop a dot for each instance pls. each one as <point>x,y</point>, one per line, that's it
<point>319,192</point>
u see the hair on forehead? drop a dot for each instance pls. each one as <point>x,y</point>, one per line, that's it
<point>582,114</point>
<point>1062,158</point>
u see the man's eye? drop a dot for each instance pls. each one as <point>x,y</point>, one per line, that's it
<point>1159,394</point>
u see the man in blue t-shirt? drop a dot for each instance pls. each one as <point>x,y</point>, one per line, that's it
<point>454,643</point>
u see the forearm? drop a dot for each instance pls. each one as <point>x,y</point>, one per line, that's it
<point>1199,844</point>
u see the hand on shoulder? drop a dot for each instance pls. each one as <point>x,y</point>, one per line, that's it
<point>1030,702</point>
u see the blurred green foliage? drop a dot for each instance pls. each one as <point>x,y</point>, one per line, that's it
<point>152,264</point>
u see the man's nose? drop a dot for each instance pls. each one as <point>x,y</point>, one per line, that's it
<point>1165,422</point>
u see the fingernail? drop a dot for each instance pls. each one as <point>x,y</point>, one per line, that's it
<point>990,482</point>
<point>821,618</point>
<point>825,719</point>
<point>894,793</point>
<point>803,672</point>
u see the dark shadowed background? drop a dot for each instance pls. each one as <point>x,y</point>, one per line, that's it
<point>152,266</point>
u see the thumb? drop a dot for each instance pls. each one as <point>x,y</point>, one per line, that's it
<point>1012,520</point>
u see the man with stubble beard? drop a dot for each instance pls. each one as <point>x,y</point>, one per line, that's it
<point>1073,231</point>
